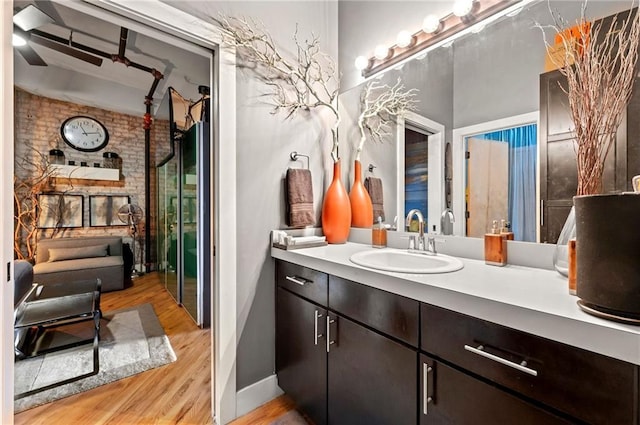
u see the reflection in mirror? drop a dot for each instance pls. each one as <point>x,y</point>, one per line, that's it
<point>498,177</point>
<point>501,181</point>
<point>481,83</point>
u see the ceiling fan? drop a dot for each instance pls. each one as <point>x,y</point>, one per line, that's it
<point>25,23</point>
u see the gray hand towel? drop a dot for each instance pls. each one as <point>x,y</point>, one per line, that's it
<point>374,187</point>
<point>299,198</point>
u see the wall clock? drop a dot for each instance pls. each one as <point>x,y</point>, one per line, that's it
<point>85,134</point>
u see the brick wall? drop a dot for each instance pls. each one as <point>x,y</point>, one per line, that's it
<point>37,129</point>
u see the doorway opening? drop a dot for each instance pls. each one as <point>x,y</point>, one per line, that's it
<point>500,181</point>
<point>205,208</point>
<point>416,170</point>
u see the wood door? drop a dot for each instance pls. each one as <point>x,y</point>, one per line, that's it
<point>372,379</point>
<point>487,184</point>
<point>448,396</point>
<point>301,356</point>
<point>558,172</point>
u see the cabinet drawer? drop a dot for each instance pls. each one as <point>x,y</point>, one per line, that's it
<point>448,396</point>
<point>310,284</point>
<point>386,312</point>
<point>591,387</point>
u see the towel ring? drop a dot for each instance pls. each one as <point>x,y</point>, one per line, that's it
<point>294,157</point>
<point>371,167</point>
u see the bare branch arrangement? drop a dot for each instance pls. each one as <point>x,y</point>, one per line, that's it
<point>307,81</point>
<point>380,104</point>
<point>26,204</point>
<point>599,63</point>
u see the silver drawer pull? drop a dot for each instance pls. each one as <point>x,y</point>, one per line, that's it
<point>330,342</point>
<point>425,382</point>
<point>315,330</point>
<point>521,367</point>
<point>299,280</point>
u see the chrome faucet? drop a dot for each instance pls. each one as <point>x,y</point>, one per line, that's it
<point>420,244</point>
<point>446,222</point>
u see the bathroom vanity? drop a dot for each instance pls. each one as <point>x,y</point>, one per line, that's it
<point>482,345</point>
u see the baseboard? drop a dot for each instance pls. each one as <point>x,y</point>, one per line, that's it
<point>255,395</point>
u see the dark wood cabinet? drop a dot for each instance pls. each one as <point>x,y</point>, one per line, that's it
<point>372,379</point>
<point>448,396</point>
<point>301,356</point>
<point>558,170</point>
<point>342,363</point>
<point>585,385</point>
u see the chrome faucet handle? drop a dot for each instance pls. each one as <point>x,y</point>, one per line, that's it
<point>412,242</point>
<point>431,244</point>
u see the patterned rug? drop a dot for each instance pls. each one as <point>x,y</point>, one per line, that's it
<point>132,340</point>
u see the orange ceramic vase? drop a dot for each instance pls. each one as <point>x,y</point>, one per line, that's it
<point>361,207</point>
<point>336,210</point>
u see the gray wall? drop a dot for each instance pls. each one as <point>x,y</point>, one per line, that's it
<point>264,142</point>
<point>497,72</point>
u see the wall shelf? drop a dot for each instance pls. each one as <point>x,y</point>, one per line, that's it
<point>85,173</point>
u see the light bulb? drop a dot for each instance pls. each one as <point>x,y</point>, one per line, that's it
<point>381,52</point>
<point>404,39</point>
<point>18,41</point>
<point>361,63</point>
<point>462,7</point>
<point>430,24</point>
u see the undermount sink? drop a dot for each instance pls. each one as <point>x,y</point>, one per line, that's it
<point>395,260</point>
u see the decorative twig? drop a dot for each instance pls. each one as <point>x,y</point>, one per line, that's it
<point>26,203</point>
<point>307,81</point>
<point>599,63</point>
<point>380,104</point>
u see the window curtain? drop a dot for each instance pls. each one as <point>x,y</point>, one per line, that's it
<point>522,178</point>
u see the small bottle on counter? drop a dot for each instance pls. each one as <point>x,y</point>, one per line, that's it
<point>495,247</point>
<point>505,230</point>
<point>379,234</point>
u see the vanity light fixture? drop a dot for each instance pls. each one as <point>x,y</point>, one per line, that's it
<point>462,7</point>
<point>382,52</point>
<point>437,32</point>
<point>431,24</point>
<point>361,63</point>
<point>405,39</point>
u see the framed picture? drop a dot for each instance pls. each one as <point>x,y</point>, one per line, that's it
<point>103,210</point>
<point>60,210</point>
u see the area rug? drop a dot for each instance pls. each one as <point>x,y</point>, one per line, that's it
<point>290,418</point>
<point>132,340</point>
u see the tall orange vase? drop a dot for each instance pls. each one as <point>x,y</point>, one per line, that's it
<point>336,210</point>
<point>361,207</point>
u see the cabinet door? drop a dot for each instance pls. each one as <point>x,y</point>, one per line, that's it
<point>372,379</point>
<point>301,356</point>
<point>558,172</point>
<point>448,396</point>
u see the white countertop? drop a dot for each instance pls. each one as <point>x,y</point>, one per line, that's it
<point>532,300</point>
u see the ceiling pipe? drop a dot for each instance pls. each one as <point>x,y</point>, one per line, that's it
<point>93,51</point>
<point>124,33</point>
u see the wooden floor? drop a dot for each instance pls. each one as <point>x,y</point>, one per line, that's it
<point>266,413</point>
<point>178,393</point>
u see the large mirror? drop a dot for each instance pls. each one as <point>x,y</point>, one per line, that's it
<point>472,146</point>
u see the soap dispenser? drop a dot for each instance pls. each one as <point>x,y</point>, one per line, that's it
<point>505,230</point>
<point>495,247</point>
<point>379,234</point>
